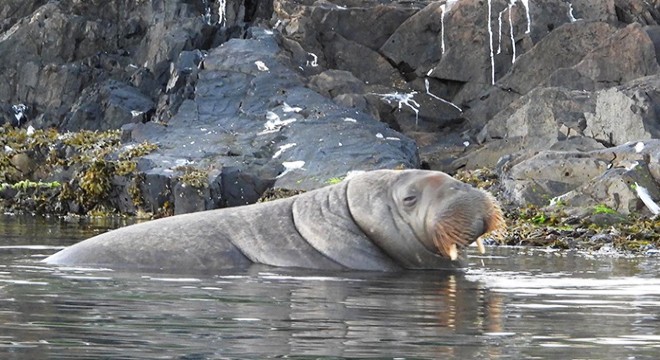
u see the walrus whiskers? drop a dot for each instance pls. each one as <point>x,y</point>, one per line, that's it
<point>451,233</point>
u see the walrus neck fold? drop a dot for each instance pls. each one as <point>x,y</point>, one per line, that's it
<point>324,220</point>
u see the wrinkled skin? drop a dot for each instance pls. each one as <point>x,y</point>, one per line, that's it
<point>382,220</point>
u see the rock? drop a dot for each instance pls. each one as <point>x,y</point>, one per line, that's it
<point>547,175</point>
<point>296,94</point>
<point>120,195</point>
<point>538,120</point>
<point>189,199</point>
<point>615,189</point>
<point>568,45</point>
<point>626,113</point>
<point>55,51</point>
<point>24,163</point>
<point>537,117</point>
<point>583,179</point>
<point>626,55</point>
<point>365,63</point>
<point>254,124</point>
<point>156,191</point>
<point>637,11</point>
<point>108,105</point>
<point>416,45</point>
<point>332,83</point>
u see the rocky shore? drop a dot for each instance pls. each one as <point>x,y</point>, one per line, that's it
<point>161,107</point>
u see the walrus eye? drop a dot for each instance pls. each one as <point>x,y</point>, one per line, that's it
<point>410,200</point>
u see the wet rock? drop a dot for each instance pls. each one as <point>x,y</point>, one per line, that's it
<point>120,195</point>
<point>189,199</point>
<point>241,188</point>
<point>24,163</point>
<point>156,191</point>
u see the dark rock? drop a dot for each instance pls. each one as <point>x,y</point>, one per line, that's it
<point>562,48</point>
<point>556,97</point>
<point>332,83</point>
<point>416,45</point>
<point>108,105</point>
<point>365,63</point>
<point>120,196</point>
<point>189,199</point>
<point>241,188</point>
<point>156,191</point>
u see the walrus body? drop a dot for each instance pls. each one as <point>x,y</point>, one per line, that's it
<point>381,220</point>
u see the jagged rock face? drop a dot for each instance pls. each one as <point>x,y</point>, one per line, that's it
<point>474,82</point>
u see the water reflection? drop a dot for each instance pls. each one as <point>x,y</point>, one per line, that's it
<point>257,313</point>
<point>512,303</point>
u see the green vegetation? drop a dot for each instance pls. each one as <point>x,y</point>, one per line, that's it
<point>193,177</point>
<point>334,180</point>
<point>603,209</point>
<point>62,172</point>
<point>553,227</point>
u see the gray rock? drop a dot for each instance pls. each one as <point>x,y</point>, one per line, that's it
<point>108,105</point>
<point>562,48</point>
<point>626,113</point>
<point>583,179</point>
<point>615,188</point>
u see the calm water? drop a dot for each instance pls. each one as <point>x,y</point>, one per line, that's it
<point>510,304</point>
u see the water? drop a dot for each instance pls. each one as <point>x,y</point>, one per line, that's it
<point>510,304</point>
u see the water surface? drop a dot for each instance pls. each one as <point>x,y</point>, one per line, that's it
<point>510,304</point>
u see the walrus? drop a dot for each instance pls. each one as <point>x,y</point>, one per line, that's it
<point>382,220</point>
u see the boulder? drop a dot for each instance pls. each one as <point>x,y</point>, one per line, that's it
<point>253,122</point>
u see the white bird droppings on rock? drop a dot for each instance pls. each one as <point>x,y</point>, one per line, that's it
<point>261,66</point>
<point>646,199</point>
<point>290,166</point>
<point>314,62</point>
<point>282,149</point>
<point>639,147</point>
<point>288,108</point>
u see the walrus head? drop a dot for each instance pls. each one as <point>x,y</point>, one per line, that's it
<point>420,218</point>
<point>444,213</point>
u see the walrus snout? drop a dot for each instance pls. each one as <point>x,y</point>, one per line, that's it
<point>465,218</point>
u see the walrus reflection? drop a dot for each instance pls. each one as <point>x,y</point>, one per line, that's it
<point>365,308</point>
